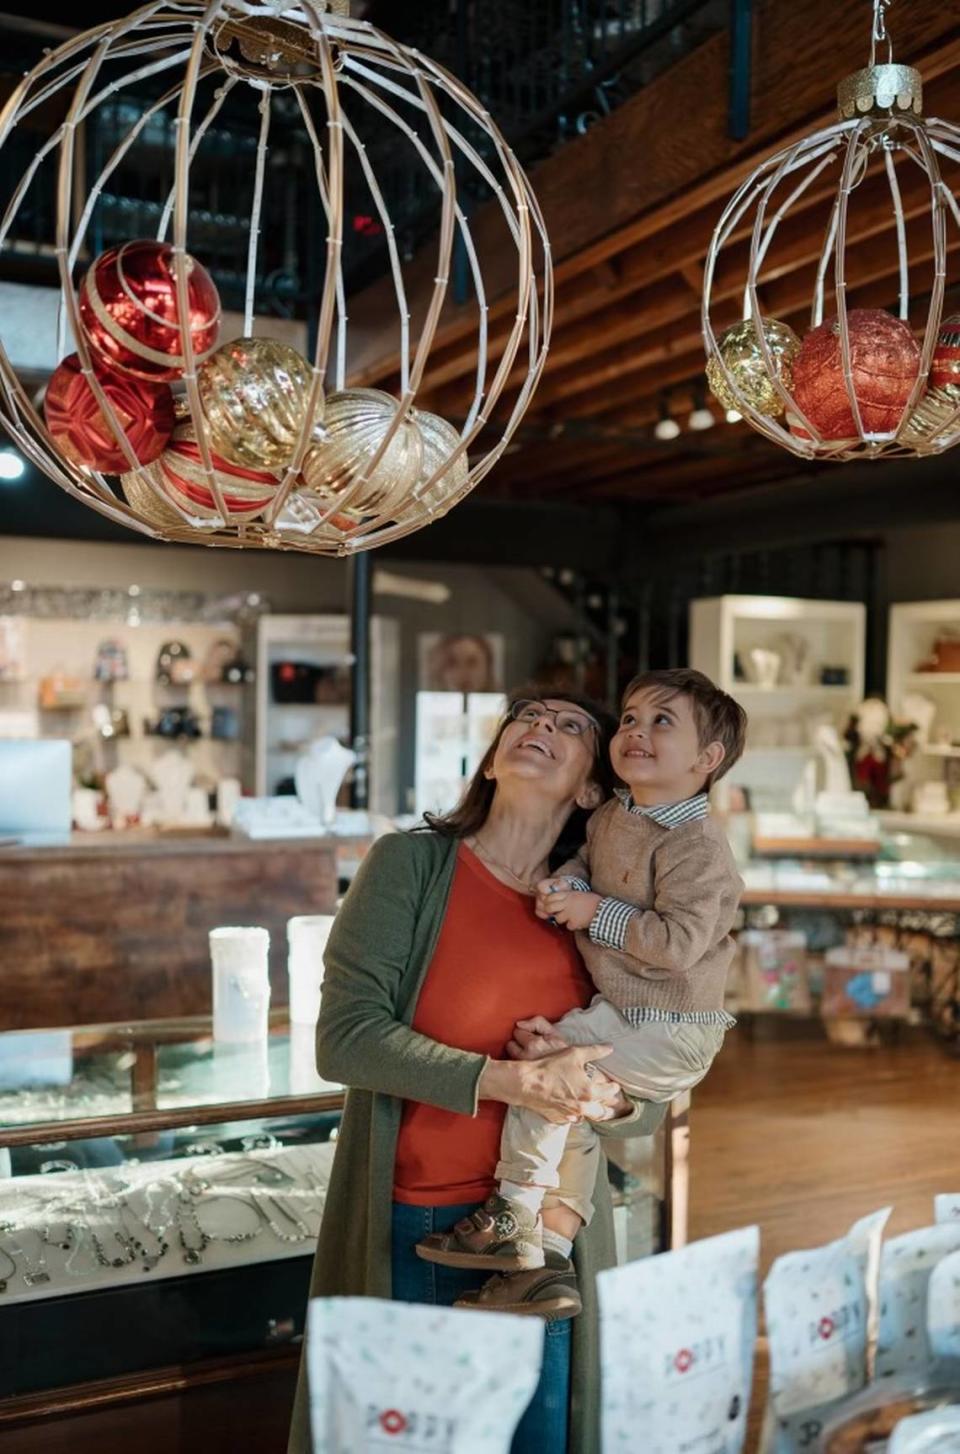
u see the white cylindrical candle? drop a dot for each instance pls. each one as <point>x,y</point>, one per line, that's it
<point>241,984</point>
<point>307,936</point>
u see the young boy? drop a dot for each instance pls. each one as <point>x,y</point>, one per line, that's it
<point>652,899</point>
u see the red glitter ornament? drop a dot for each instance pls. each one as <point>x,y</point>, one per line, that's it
<point>884,362</point>
<point>128,308</point>
<point>245,491</point>
<point>945,364</point>
<point>80,429</point>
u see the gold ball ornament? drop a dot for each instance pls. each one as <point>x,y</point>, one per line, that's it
<point>147,499</point>
<point>935,422</point>
<point>255,393</point>
<point>440,439</point>
<point>741,359</point>
<point>179,474</point>
<point>355,422</point>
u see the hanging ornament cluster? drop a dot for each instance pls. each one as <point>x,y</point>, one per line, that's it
<point>828,378</point>
<point>169,415</point>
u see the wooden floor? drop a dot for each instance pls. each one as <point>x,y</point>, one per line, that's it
<point>802,1138</point>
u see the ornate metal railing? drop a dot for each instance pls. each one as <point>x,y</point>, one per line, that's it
<point>546,70</point>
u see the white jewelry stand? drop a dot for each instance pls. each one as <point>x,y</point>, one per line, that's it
<point>126,790</point>
<point>318,775</point>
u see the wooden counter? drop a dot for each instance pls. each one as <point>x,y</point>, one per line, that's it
<point>115,928</point>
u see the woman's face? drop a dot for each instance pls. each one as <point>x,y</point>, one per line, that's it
<point>542,748</point>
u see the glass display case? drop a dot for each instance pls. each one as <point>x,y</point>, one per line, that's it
<point>160,1196</point>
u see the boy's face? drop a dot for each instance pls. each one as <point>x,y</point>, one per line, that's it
<point>656,749</point>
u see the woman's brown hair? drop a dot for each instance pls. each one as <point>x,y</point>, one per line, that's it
<point>473,809</point>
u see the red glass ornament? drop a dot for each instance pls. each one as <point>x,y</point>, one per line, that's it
<point>181,466</point>
<point>81,432</point>
<point>945,364</point>
<point>128,308</point>
<point>884,362</point>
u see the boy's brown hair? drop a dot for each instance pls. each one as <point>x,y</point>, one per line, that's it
<point>718,717</point>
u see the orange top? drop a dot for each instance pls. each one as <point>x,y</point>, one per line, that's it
<point>495,963</point>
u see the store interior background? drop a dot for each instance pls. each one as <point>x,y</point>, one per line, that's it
<point>584,552</point>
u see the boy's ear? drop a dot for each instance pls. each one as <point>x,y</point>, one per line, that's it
<point>711,757</point>
<point>590,796</point>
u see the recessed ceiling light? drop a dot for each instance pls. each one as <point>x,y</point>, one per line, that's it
<point>11,465</point>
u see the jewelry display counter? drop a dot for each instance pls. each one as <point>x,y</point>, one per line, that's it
<point>160,1196</point>
<point>906,899</point>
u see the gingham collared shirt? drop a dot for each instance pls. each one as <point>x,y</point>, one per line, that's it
<point>609,924</point>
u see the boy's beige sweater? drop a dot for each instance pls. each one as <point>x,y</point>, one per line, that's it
<point>684,880</point>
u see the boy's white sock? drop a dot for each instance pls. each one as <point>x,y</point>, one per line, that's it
<point>528,1197</point>
<point>554,1242</point>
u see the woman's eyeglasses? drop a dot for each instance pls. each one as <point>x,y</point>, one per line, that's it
<point>573,723</point>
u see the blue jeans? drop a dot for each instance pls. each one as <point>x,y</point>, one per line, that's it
<point>543,1428</point>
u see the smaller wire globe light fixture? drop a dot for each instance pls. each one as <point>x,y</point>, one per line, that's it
<point>867,201</point>
<point>166,416</point>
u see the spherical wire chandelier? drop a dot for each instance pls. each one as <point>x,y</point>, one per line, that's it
<point>159,421</point>
<point>861,381</point>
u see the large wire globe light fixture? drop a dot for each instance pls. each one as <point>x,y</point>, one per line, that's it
<point>163,420</point>
<point>858,381</point>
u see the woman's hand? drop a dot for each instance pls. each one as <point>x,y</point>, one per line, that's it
<point>561,1087</point>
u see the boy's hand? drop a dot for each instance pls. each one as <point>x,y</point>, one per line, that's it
<point>572,908</point>
<point>547,889</point>
<point>533,1039</point>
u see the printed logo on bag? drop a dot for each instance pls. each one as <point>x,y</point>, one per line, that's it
<point>702,1357</point>
<point>410,1429</point>
<point>808,1433</point>
<point>842,1323</point>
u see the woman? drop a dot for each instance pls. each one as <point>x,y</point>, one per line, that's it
<point>435,954</point>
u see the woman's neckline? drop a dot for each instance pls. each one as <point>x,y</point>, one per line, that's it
<point>476,865</point>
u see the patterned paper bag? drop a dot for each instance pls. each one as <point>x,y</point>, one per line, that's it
<point>417,1379</point>
<point>677,1334</point>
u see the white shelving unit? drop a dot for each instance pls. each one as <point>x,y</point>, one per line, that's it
<point>810,638</point>
<point>914,628</point>
<point>284,729</point>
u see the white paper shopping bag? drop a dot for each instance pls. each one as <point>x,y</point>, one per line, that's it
<point>677,1333</point>
<point>416,1379</point>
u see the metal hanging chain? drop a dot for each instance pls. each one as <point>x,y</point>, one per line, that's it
<point>880,32</point>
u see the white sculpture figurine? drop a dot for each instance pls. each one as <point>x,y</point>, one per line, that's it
<point>318,775</point>
<point>126,790</point>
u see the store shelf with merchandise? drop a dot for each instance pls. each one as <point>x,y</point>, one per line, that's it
<point>795,665</point>
<point>161,1199</point>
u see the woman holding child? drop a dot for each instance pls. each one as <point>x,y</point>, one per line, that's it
<point>441,947</point>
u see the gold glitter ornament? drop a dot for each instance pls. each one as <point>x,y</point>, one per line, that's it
<point>255,393</point>
<point>355,422</point>
<point>741,359</point>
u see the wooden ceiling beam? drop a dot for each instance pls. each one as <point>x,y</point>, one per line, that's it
<point>676,352</point>
<point>596,199</point>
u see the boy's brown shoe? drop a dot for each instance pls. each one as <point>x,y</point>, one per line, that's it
<point>499,1235</point>
<point>545,1292</point>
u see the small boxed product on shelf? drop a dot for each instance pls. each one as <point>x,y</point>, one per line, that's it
<point>866,981</point>
<point>773,971</point>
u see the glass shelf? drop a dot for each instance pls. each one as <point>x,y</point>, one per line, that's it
<point>74,1083</point>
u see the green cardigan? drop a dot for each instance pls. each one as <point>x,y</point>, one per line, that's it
<point>376,961</point>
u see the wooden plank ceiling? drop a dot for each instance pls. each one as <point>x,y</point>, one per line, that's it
<point>630,209</point>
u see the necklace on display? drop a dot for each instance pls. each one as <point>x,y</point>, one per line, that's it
<point>524,884</point>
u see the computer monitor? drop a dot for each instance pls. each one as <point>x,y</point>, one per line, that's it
<point>35,784</point>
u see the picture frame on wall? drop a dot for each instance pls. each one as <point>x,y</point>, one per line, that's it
<point>460,661</point>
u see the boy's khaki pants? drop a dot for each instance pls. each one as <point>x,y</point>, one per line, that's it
<point>654,1061</point>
